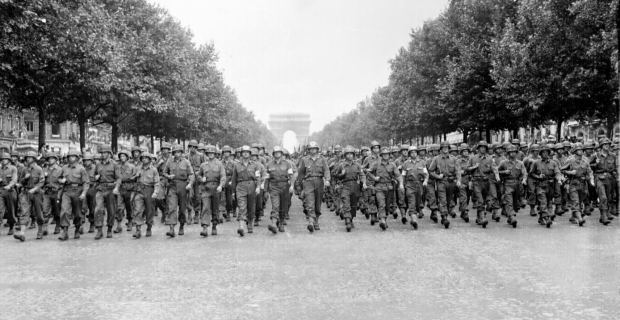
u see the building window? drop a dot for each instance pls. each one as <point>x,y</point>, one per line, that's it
<point>56,130</point>
<point>29,126</point>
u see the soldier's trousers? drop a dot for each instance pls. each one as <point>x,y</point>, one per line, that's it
<point>124,204</point>
<point>88,206</point>
<point>313,191</point>
<point>231,203</point>
<point>246,200</point>
<point>370,200</point>
<point>545,193</point>
<point>510,198</point>
<point>577,190</point>
<point>384,195</point>
<point>445,194</point>
<point>531,187</point>
<point>481,193</point>
<point>210,204</point>
<point>160,201</point>
<point>7,208</point>
<point>259,203</point>
<point>401,201</point>
<point>278,192</point>
<point>71,207</point>
<point>413,194</point>
<point>31,206</point>
<point>464,193</point>
<point>431,195</point>
<point>495,194</point>
<point>194,202</point>
<point>105,202</point>
<point>604,190</point>
<point>50,206</point>
<point>177,203</point>
<point>144,206</point>
<point>349,194</point>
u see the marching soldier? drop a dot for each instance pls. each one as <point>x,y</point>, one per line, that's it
<point>30,198</point>
<point>447,173</point>
<point>51,187</point>
<point>579,173</point>
<point>146,189</point>
<point>415,177</point>
<point>180,175</point>
<point>127,171</point>
<point>314,174</point>
<point>8,180</point>
<point>547,172</point>
<point>229,165</point>
<point>531,181</point>
<point>261,195</point>
<point>135,156</point>
<point>482,169</point>
<point>108,178</point>
<point>369,193</point>
<point>279,185</point>
<point>89,204</point>
<point>196,159</point>
<point>513,173</point>
<point>74,180</point>
<point>465,189</point>
<point>383,173</point>
<point>212,178</point>
<point>246,183</point>
<point>160,200</point>
<point>400,203</point>
<point>605,171</point>
<point>431,187</point>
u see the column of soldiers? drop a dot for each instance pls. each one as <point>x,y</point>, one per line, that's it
<point>208,186</point>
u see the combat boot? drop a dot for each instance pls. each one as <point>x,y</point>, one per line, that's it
<point>227,216</point>
<point>604,220</point>
<point>434,216</point>
<point>241,229</point>
<point>445,221</point>
<point>181,229</point>
<point>138,233</point>
<point>373,219</point>
<point>81,229</point>
<point>32,224</point>
<point>214,229</point>
<point>11,231</point>
<point>465,215</point>
<point>20,235</point>
<point>255,223</point>
<point>548,222</point>
<point>403,218</point>
<point>170,232</point>
<point>559,211</point>
<point>129,225</point>
<point>272,227</point>
<point>482,219</point>
<point>65,234</point>
<point>251,226</point>
<point>496,215</point>
<point>196,219</point>
<point>109,233</point>
<point>414,222</point>
<point>148,231</point>
<point>311,224</point>
<point>383,224</point>
<point>281,226</point>
<point>347,223</point>
<point>40,232</point>
<point>395,213</point>
<point>578,218</point>
<point>366,214</point>
<point>512,220</point>
<point>77,233</point>
<point>420,213</point>
<point>57,229</point>
<point>99,234</point>
<point>533,212</point>
<point>316,224</point>
<point>118,229</point>
<point>91,229</point>
<point>453,213</point>
<point>44,227</point>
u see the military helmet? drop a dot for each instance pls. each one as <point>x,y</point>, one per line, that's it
<point>105,148</point>
<point>144,149</point>
<point>210,149</point>
<point>165,145</point>
<point>444,144</point>
<point>324,153</point>
<point>516,141</point>
<point>434,147</point>
<point>464,146</point>
<point>254,145</point>
<point>313,145</point>
<point>404,147</point>
<point>364,148</point>
<point>349,149</point>
<point>51,155</point>
<point>453,148</point>
<point>254,152</point>
<point>201,146</point>
<point>31,154</point>
<point>422,148</point>
<point>412,148</point>
<point>277,149</point>
<point>285,151</point>
<point>566,144</point>
<point>75,153</point>
<point>177,148</point>
<point>88,156</point>
<point>14,153</point>
<point>5,155</point>
<point>544,147</point>
<point>394,149</point>
<point>245,148</point>
<point>260,146</point>
<point>375,143</point>
<point>505,145</point>
<point>153,157</point>
<point>588,145</point>
<point>522,145</point>
<point>535,147</point>
<point>604,141</point>
<point>482,143</point>
<point>578,146</point>
<point>511,148</point>
<point>385,150</point>
<point>557,146</point>
<point>125,152</point>
<point>226,148</point>
<point>337,148</point>
<point>146,155</point>
<point>193,143</point>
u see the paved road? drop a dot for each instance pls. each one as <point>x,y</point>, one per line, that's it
<point>466,272</point>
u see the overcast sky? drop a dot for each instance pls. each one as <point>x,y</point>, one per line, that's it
<point>317,57</point>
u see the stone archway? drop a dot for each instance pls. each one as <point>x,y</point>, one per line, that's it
<point>299,123</point>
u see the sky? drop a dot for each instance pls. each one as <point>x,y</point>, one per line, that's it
<point>316,57</point>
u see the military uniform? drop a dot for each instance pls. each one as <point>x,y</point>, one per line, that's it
<point>105,200</point>
<point>349,174</point>
<point>124,198</point>
<point>196,159</point>
<point>51,189</point>
<point>180,174</point>
<point>8,179</point>
<point>383,172</point>
<point>547,172</point>
<point>605,172</point>
<point>482,169</point>
<point>214,174</point>
<point>447,173</point>
<point>278,181</point>
<point>246,178</point>
<point>415,176</point>
<point>74,190</point>
<point>312,172</point>
<point>513,174</point>
<point>579,174</point>
<point>30,198</point>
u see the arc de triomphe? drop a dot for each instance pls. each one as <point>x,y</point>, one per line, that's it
<point>299,123</point>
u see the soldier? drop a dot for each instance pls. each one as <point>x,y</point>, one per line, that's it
<point>229,165</point>
<point>108,178</point>
<point>447,172</point>
<point>605,171</point>
<point>465,188</point>
<point>431,187</point>
<point>135,156</point>
<point>125,201</point>
<point>89,203</point>
<point>279,185</point>
<point>180,174</point>
<point>30,199</point>
<point>531,181</point>
<point>369,193</point>
<point>383,173</point>
<point>415,176</point>
<point>287,206</point>
<point>160,200</point>
<point>513,173</point>
<point>547,172</point>
<point>51,189</point>
<point>74,180</point>
<point>8,180</point>
<point>146,189</point>
<point>578,171</point>
<point>496,188</point>
<point>560,197</point>
<point>212,178</point>
<point>246,181</point>
<point>196,159</point>
<point>482,169</point>
<point>260,196</point>
<point>399,202</point>
<point>314,174</point>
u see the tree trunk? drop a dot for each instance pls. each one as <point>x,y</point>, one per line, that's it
<point>82,125</point>
<point>480,135</point>
<point>465,135</point>
<point>137,140</point>
<point>42,117</point>
<point>611,121</point>
<point>422,143</point>
<point>444,137</point>
<point>114,136</point>
<point>489,136</point>
<point>515,134</point>
<point>558,130</point>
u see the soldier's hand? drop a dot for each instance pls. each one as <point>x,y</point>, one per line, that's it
<point>425,183</point>
<point>376,178</point>
<point>115,191</point>
<point>97,177</point>
<point>31,191</point>
<point>27,176</point>
<point>219,189</point>
<point>470,185</point>
<point>171,176</point>
<point>364,186</point>
<point>82,196</point>
<point>257,190</point>
<point>344,172</point>
<point>542,176</point>
<point>326,183</point>
<point>401,187</point>
<point>497,178</point>
<point>203,179</point>
<point>440,176</point>
<point>458,184</point>
<point>524,182</point>
<point>291,189</point>
<point>62,180</point>
<point>6,187</point>
<point>189,187</point>
<point>154,195</point>
<point>592,183</point>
